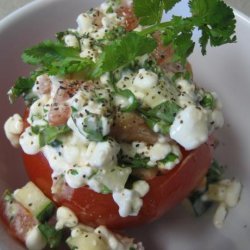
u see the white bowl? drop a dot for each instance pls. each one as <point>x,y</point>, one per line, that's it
<point>225,70</point>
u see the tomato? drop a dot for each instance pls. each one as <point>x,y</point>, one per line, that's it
<point>166,190</point>
<point>17,219</point>
<point>94,209</point>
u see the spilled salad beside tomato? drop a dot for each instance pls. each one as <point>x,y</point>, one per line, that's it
<point>116,132</point>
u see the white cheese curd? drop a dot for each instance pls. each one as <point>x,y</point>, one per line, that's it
<point>85,23</point>
<point>56,162</point>
<point>77,176</point>
<point>216,119</point>
<point>121,101</point>
<point>141,187</point>
<point>113,242</point>
<point>171,164</point>
<point>187,93</point>
<point>104,79</point>
<point>93,107</point>
<point>29,142</point>
<point>161,90</point>
<point>88,53</point>
<point>76,132</point>
<point>37,112</point>
<point>190,128</point>
<point>220,216</point>
<point>65,218</point>
<point>71,153</point>
<point>105,125</point>
<point>102,154</point>
<point>145,79</point>
<point>227,194</point>
<point>80,229</point>
<point>13,127</point>
<point>129,202</point>
<point>159,151</point>
<point>34,239</point>
<point>71,41</point>
<point>110,20</point>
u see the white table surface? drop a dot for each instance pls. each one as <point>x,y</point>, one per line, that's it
<point>7,6</point>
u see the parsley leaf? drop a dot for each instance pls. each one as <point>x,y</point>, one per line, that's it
<point>215,20</point>
<point>150,12</point>
<point>121,52</point>
<point>56,58</point>
<point>169,4</point>
<point>22,86</point>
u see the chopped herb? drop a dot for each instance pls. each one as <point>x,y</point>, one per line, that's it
<point>215,172</point>
<point>133,102</point>
<point>91,127</point>
<point>73,172</point>
<point>162,115</point>
<point>52,236</point>
<point>136,161</point>
<point>7,196</point>
<point>48,134</point>
<point>171,157</point>
<point>105,190</point>
<point>214,175</point>
<point>208,101</point>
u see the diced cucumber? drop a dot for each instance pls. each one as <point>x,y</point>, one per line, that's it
<point>87,241</point>
<point>113,179</point>
<point>32,198</point>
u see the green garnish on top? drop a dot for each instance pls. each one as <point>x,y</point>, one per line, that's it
<point>213,18</point>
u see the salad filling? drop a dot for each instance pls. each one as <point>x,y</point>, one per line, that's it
<point>98,132</point>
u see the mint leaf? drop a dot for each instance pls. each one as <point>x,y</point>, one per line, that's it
<point>123,51</point>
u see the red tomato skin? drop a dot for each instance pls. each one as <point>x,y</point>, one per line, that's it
<point>94,209</point>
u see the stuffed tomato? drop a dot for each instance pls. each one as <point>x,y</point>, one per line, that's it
<point>115,129</point>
